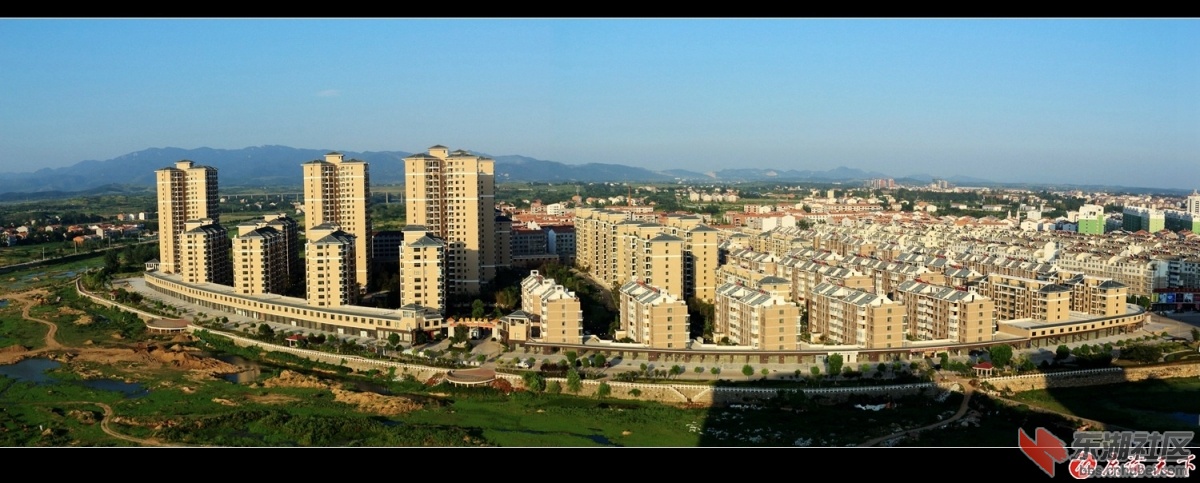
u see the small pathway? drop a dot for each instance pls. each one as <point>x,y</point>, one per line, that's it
<point>28,299</point>
<point>962,411</point>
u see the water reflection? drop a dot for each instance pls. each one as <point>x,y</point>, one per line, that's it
<point>249,371</point>
<point>37,371</point>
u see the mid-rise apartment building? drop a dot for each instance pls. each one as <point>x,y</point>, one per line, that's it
<point>680,257</point>
<point>554,308</point>
<point>653,317</point>
<point>1095,295</point>
<point>935,312</point>
<point>330,265</point>
<point>204,253</point>
<point>260,260</point>
<point>845,316</point>
<point>759,317</point>
<point>338,191</point>
<point>422,273</point>
<point>1091,220</point>
<point>185,192</point>
<point>1026,298</point>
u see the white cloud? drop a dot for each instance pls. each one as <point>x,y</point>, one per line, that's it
<point>329,93</point>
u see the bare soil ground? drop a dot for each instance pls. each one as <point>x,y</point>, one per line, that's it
<point>365,401</point>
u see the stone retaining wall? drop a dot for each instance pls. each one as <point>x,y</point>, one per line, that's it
<point>1095,377</point>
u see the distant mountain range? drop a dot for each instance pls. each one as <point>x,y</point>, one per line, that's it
<point>280,165</point>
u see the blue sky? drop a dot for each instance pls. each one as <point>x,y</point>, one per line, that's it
<point>1112,101</point>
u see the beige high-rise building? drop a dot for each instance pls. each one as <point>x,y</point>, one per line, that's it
<point>452,194</point>
<point>554,307</point>
<point>422,281</point>
<point>329,260</point>
<point>185,192</point>
<point>204,253</point>
<point>651,316</point>
<point>338,190</point>
<point>266,256</point>
<point>700,257</point>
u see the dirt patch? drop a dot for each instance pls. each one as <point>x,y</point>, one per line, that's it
<point>273,399</point>
<point>365,401</point>
<point>157,357</point>
<point>223,401</point>
<point>13,349</point>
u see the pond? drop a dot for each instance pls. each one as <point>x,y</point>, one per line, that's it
<point>1189,418</point>
<point>37,371</point>
<point>250,369</point>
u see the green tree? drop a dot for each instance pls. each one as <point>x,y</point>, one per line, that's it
<point>534,381</point>
<point>747,370</point>
<point>1195,334</point>
<point>699,370</point>
<point>394,339</point>
<point>574,384</point>
<point>265,331</point>
<point>635,392</point>
<point>1142,352</point>
<point>765,372</point>
<point>603,390</point>
<point>944,359</point>
<point>461,332</point>
<point>477,309</point>
<point>835,364</point>
<point>1062,352</point>
<point>553,387</point>
<point>816,371</point>
<point>716,370</point>
<point>676,370</point>
<point>508,298</point>
<point>112,262</point>
<point>571,358</point>
<point>1001,355</point>
<point>1083,350</point>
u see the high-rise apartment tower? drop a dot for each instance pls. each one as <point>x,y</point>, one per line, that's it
<point>452,194</point>
<point>338,191</point>
<point>185,192</point>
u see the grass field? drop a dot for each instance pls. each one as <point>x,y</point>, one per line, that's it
<point>1151,405</point>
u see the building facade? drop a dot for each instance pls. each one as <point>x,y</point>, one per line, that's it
<point>329,260</point>
<point>204,253</point>
<point>185,192</point>
<point>555,308</point>
<point>422,275</point>
<point>653,317</point>
<point>452,194</point>
<point>338,191</point>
